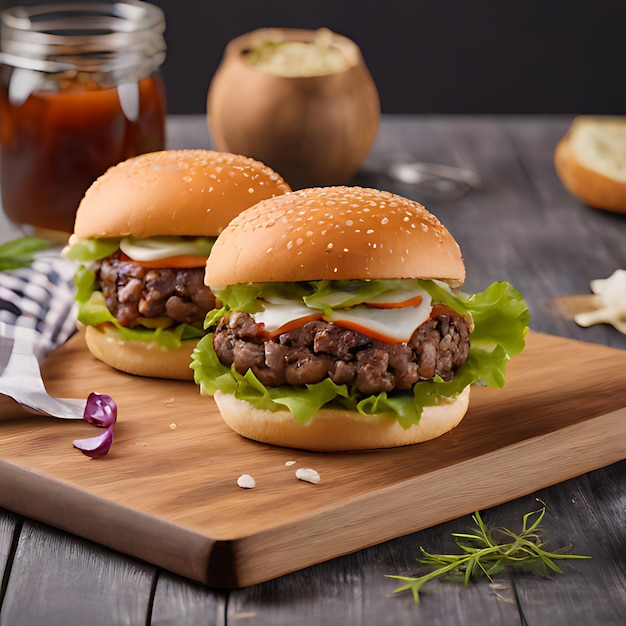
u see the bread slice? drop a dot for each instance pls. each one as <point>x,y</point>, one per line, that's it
<point>590,160</point>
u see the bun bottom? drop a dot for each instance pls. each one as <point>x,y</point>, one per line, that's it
<point>142,358</point>
<point>335,430</point>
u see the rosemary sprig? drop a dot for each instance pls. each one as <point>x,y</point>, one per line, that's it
<point>483,556</point>
<point>20,252</point>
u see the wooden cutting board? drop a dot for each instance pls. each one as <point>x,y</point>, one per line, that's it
<point>167,491</point>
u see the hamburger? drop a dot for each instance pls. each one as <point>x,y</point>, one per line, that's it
<point>342,325</point>
<point>142,235</point>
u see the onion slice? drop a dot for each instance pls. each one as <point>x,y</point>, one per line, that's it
<point>100,410</point>
<point>98,446</point>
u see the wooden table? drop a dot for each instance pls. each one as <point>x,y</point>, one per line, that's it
<point>521,226</point>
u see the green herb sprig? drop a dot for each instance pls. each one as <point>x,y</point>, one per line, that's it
<point>483,556</point>
<point>20,252</point>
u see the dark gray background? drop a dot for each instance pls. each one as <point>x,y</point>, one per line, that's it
<point>428,56</point>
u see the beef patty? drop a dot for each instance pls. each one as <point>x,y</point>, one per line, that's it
<point>320,349</point>
<point>132,291</point>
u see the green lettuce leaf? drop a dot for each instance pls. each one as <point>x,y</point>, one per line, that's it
<point>240,297</point>
<point>86,250</point>
<point>248,298</point>
<point>500,318</point>
<point>329,295</point>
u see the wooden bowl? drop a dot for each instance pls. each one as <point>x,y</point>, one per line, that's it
<point>314,126</point>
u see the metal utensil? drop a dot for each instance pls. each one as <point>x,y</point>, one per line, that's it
<point>20,375</point>
<point>445,182</point>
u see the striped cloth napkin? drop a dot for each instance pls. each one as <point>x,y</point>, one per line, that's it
<point>41,296</point>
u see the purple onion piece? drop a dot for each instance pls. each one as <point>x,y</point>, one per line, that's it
<point>96,447</point>
<point>100,410</point>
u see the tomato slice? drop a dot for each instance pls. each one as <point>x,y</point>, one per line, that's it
<point>440,309</point>
<point>299,322</point>
<point>414,301</point>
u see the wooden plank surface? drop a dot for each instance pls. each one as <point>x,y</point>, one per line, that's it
<point>122,595</point>
<point>166,493</point>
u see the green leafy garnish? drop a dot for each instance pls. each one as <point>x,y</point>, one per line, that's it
<point>483,556</point>
<point>20,252</point>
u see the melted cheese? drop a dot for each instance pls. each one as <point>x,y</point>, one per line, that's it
<point>397,297</point>
<point>393,325</point>
<point>284,313</point>
<point>156,248</point>
<point>389,325</point>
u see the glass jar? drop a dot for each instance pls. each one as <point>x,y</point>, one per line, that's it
<point>80,90</point>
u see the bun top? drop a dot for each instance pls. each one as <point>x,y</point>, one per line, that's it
<point>334,233</point>
<point>174,192</point>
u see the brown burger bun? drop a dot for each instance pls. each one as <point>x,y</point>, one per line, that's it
<point>336,430</point>
<point>336,233</point>
<point>181,193</point>
<point>590,160</point>
<point>174,192</point>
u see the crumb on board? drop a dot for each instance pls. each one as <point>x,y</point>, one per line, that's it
<point>308,475</point>
<point>245,481</point>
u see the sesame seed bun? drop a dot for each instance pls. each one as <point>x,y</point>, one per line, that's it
<point>174,192</point>
<point>334,233</point>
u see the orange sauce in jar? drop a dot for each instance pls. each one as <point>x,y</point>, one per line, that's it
<point>54,145</point>
<point>80,91</point>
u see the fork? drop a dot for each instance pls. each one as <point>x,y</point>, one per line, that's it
<point>20,375</point>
